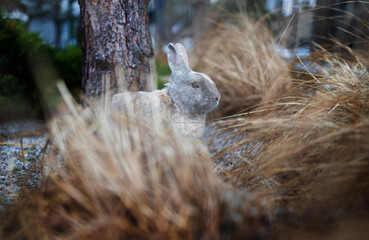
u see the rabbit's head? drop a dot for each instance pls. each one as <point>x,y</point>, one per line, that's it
<point>194,93</point>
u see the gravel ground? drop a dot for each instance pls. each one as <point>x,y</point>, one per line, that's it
<point>20,167</point>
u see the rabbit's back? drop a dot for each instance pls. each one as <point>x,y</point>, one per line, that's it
<point>157,105</point>
<point>147,103</point>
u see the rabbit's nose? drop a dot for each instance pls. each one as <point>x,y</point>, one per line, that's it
<point>217,97</point>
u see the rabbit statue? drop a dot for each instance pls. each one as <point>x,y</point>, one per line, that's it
<point>185,101</point>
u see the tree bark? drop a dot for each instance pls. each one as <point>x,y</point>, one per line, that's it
<point>200,22</point>
<point>57,22</point>
<point>341,21</point>
<point>115,33</point>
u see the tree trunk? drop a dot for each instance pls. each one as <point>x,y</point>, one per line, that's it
<point>342,21</point>
<point>200,22</point>
<point>115,33</point>
<point>57,22</point>
<point>326,22</point>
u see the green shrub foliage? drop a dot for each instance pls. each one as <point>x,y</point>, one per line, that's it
<point>163,72</point>
<point>68,66</point>
<point>19,95</point>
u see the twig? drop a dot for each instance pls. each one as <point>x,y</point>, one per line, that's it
<point>43,151</point>
<point>19,144</point>
<point>22,152</point>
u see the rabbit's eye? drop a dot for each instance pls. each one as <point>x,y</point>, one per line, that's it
<point>195,85</point>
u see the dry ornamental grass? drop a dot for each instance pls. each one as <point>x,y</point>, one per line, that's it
<point>126,179</point>
<point>308,153</point>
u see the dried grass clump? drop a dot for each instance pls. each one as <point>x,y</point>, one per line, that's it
<point>307,154</point>
<point>241,60</point>
<point>124,179</point>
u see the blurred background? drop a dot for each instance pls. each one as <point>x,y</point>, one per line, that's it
<point>53,26</point>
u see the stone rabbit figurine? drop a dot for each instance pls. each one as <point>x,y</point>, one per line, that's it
<point>185,101</point>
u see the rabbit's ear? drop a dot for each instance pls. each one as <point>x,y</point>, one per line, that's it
<point>177,57</point>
